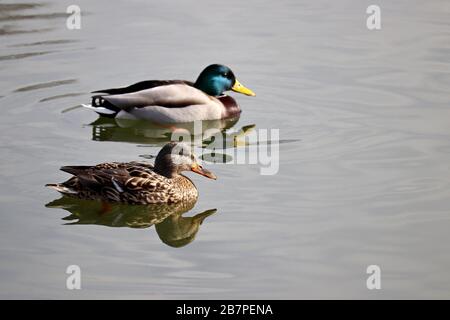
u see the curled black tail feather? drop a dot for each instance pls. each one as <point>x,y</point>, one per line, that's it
<point>99,101</point>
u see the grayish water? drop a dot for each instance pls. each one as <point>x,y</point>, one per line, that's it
<point>366,179</point>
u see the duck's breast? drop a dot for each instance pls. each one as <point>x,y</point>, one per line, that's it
<point>185,188</point>
<point>230,105</point>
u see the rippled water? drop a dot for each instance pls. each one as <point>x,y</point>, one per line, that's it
<point>364,178</point>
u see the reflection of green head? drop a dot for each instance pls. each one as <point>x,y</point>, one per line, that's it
<point>177,231</point>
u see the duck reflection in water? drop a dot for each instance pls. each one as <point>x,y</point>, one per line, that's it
<point>199,133</point>
<point>146,132</point>
<point>172,227</point>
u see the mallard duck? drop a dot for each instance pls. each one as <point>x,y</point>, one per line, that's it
<point>137,182</point>
<point>174,101</point>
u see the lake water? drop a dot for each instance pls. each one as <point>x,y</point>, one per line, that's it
<point>364,173</point>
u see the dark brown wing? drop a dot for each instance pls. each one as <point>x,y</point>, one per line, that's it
<point>148,84</point>
<point>120,176</point>
<point>133,182</point>
<point>96,178</point>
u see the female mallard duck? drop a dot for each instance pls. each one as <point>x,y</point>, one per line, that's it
<point>137,182</point>
<point>174,101</point>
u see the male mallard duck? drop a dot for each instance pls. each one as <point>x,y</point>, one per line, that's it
<point>137,182</point>
<point>174,101</point>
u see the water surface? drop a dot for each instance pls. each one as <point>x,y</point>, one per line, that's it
<point>363,180</point>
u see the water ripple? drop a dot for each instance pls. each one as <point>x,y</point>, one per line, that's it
<point>46,85</point>
<point>32,16</point>
<point>7,7</point>
<point>18,56</point>
<point>9,31</point>
<point>45,42</point>
<point>60,96</point>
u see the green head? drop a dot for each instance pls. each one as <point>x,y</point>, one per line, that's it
<point>215,79</point>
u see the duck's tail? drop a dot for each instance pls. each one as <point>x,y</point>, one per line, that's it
<point>100,110</point>
<point>61,188</point>
<point>102,107</point>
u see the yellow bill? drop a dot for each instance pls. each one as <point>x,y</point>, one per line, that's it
<point>238,87</point>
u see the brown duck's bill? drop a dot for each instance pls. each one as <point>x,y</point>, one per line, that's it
<point>200,170</point>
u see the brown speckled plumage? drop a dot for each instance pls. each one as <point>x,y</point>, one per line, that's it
<point>131,182</point>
